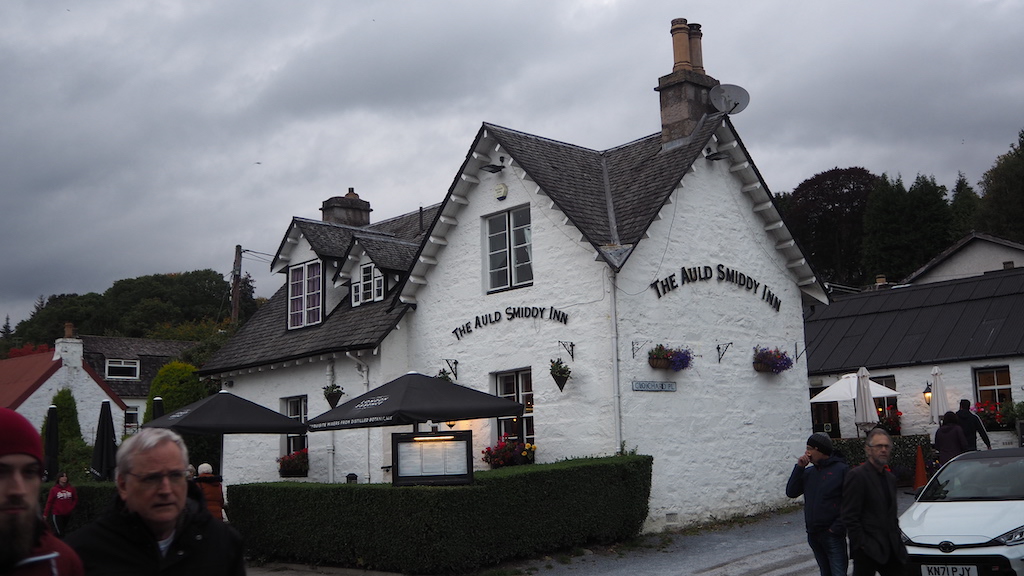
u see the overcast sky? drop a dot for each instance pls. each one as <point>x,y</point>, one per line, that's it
<point>148,137</point>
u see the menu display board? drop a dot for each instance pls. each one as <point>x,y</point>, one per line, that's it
<point>432,458</point>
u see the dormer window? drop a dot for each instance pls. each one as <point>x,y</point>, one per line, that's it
<point>122,369</point>
<point>368,286</point>
<point>305,294</point>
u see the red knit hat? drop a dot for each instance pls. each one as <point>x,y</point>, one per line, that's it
<point>19,436</point>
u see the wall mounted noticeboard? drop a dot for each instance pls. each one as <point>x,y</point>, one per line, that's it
<point>432,458</point>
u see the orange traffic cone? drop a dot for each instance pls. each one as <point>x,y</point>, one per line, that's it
<point>920,475</point>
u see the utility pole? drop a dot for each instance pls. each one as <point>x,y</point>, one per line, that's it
<point>236,281</point>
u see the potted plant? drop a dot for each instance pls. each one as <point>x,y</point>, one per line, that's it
<point>560,372</point>
<point>682,358</point>
<point>771,360</point>
<point>660,357</point>
<point>294,465</point>
<point>509,453</point>
<point>333,393</point>
<point>444,375</point>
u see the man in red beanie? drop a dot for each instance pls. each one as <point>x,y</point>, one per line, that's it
<point>26,547</point>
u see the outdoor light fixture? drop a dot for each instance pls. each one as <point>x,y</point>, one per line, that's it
<point>495,168</point>
<point>928,393</point>
<point>450,423</point>
<point>433,438</point>
<point>716,155</point>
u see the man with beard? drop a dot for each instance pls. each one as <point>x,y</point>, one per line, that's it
<point>158,524</point>
<point>869,512</point>
<point>26,547</point>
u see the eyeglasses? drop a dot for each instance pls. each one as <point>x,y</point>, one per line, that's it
<point>157,478</point>
<point>880,446</point>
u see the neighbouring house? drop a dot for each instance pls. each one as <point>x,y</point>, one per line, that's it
<point>29,383</point>
<point>543,250</point>
<point>962,313</point>
<point>128,366</point>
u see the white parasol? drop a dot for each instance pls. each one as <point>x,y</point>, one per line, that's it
<point>939,405</point>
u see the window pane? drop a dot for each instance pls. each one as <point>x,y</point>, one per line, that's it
<point>496,243</point>
<point>496,224</point>
<point>521,217</point>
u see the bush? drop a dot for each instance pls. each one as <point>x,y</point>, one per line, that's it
<point>507,513</point>
<point>903,461</point>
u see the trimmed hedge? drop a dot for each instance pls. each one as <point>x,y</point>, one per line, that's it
<point>903,461</point>
<point>507,513</point>
<point>93,500</point>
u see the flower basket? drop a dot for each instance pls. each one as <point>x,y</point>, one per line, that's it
<point>294,465</point>
<point>509,453</point>
<point>659,363</point>
<point>560,372</point>
<point>771,360</point>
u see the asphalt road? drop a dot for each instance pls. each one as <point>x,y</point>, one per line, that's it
<point>775,545</point>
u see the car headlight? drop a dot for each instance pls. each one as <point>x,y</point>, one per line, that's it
<point>904,537</point>
<point>1013,537</point>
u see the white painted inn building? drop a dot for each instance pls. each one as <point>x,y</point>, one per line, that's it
<point>541,250</point>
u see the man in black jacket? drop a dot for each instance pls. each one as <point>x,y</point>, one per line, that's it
<point>821,484</point>
<point>869,512</point>
<point>158,524</point>
<point>972,426</point>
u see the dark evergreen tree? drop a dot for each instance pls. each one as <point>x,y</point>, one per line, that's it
<point>74,454</point>
<point>825,214</point>
<point>1002,205</point>
<point>964,208</point>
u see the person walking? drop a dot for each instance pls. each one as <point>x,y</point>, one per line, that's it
<point>949,438</point>
<point>158,523</point>
<point>213,491</point>
<point>818,475</point>
<point>869,512</point>
<point>27,548</point>
<point>60,504</point>
<point>972,425</point>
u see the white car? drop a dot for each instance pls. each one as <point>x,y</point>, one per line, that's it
<point>968,519</point>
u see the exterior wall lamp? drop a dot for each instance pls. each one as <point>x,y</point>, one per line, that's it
<point>928,393</point>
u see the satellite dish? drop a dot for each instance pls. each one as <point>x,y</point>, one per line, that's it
<point>729,98</point>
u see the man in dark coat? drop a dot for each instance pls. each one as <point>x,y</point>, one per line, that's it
<point>972,426</point>
<point>821,485</point>
<point>869,512</point>
<point>158,524</point>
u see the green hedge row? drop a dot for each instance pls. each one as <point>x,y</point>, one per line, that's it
<point>903,461</point>
<point>93,500</point>
<point>507,513</point>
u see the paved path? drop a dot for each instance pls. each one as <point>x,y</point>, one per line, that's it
<point>771,546</point>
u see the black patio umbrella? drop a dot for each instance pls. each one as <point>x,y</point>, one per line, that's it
<point>225,413</point>
<point>104,451</point>
<point>51,445</point>
<point>414,398</point>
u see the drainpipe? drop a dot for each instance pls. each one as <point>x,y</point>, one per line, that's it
<point>616,387</point>
<point>364,371</point>
<point>330,449</point>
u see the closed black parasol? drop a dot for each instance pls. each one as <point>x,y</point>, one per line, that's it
<point>51,445</point>
<point>414,398</point>
<point>104,451</point>
<point>225,413</point>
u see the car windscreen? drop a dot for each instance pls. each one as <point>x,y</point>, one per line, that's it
<point>977,479</point>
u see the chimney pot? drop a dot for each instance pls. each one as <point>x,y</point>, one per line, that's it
<point>684,92</point>
<point>69,330</point>
<point>1008,265</point>
<point>880,279</point>
<point>696,52</point>
<point>681,45</point>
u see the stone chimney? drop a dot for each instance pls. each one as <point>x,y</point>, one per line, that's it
<point>684,92</point>
<point>348,210</point>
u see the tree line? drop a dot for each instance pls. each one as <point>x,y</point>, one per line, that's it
<point>854,225</point>
<point>180,306</point>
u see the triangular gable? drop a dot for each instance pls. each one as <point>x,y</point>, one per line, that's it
<point>611,197</point>
<point>957,249</point>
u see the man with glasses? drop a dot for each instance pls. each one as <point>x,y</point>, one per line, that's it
<point>158,524</point>
<point>870,512</point>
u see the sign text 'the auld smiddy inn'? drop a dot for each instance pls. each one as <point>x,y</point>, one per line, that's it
<point>721,273</point>
<point>511,313</point>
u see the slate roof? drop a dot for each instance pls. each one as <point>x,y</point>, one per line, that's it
<point>113,348</point>
<point>265,338</point>
<point>611,196</point>
<point>953,321</point>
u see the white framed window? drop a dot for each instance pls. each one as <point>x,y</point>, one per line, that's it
<point>305,294</point>
<point>368,286</point>
<point>131,420</point>
<point>517,386</point>
<point>123,369</point>
<point>296,409</point>
<point>509,250</point>
<point>993,384</point>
